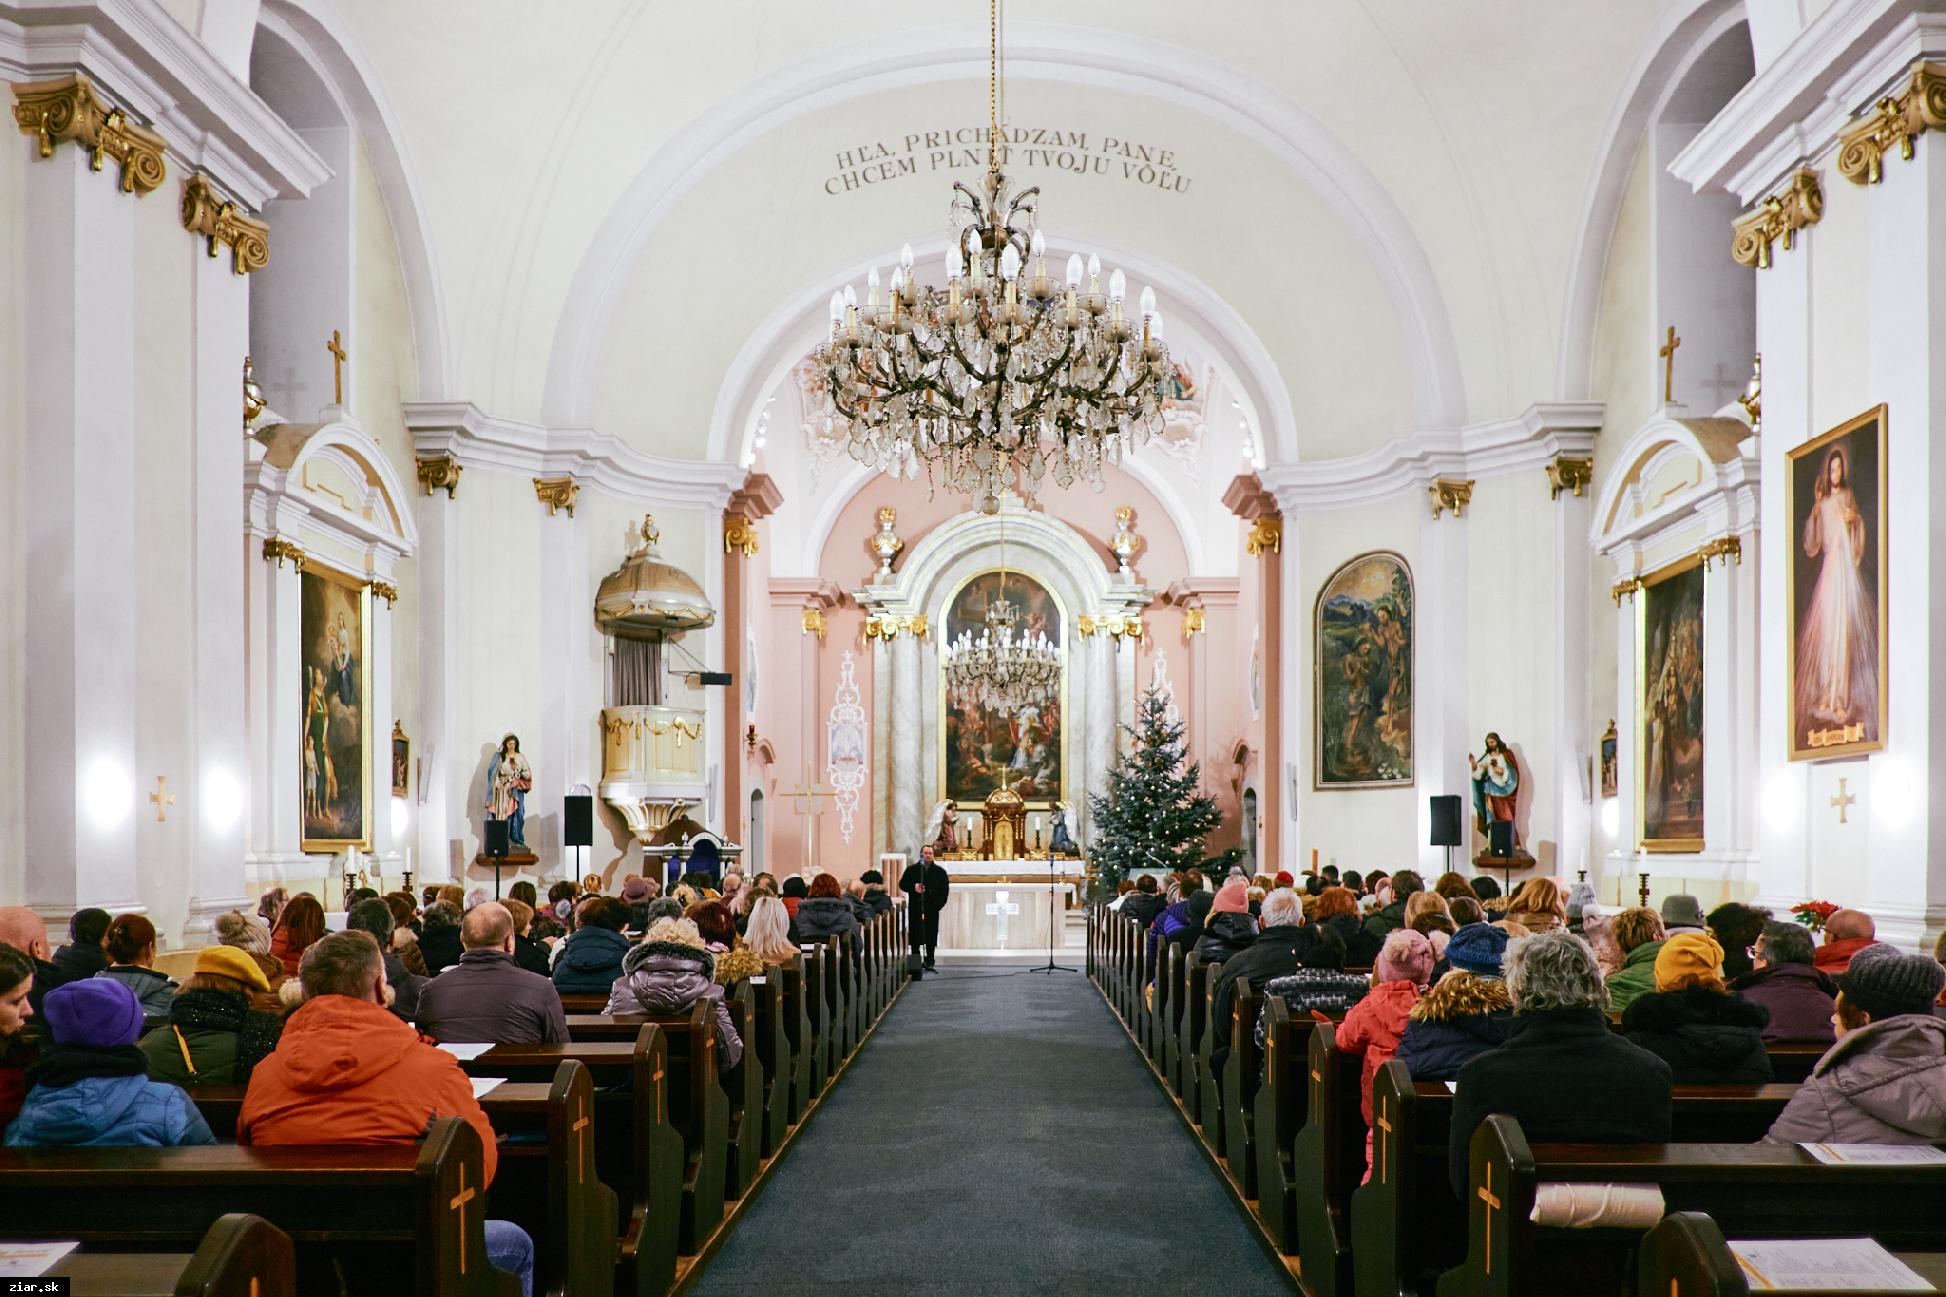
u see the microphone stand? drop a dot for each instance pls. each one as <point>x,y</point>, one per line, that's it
<point>1051,966</point>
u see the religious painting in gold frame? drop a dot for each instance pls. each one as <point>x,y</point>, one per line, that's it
<point>1361,668</point>
<point>1027,749</point>
<point>335,741</point>
<point>1834,488</point>
<point>1669,687</point>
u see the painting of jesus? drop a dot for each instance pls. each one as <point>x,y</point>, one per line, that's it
<point>1837,597</point>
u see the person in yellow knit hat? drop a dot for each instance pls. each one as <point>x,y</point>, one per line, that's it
<point>215,1033</point>
<point>1707,1033</point>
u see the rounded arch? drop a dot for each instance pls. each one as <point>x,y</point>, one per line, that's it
<point>315,31</point>
<point>1681,37</point>
<point>1035,51</point>
<point>1717,446</point>
<point>379,518</point>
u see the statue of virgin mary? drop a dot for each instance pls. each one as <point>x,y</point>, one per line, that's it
<point>509,780</point>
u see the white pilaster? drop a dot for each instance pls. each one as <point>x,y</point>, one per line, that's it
<point>883,752</point>
<point>81,786</point>
<point>1575,785</point>
<point>436,860</point>
<point>567,638</point>
<point>1440,734</point>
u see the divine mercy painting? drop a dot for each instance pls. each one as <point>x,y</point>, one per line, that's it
<point>334,650</point>
<point>1669,633</point>
<point>1836,485</point>
<point>1024,749</point>
<point>1363,673</point>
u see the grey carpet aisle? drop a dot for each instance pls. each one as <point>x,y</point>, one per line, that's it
<point>998,1134</point>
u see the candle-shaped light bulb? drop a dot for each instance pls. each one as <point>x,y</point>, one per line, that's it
<point>1094,273</point>
<point>1009,263</point>
<point>837,309</point>
<point>905,256</point>
<point>851,297</point>
<point>1148,302</point>
<point>871,288</point>
<point>1117,286</point>
<point>955,263</point>
<point>1074,270</point>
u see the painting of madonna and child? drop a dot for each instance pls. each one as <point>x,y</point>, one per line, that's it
<point>1023,749</point>
<point>1837,590</point>
<point>1364,675</point>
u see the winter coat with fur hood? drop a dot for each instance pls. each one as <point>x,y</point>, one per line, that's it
<point>1706,1037</point>
<point>1461,1017</point>
<point>1882,1084</point>
<point>1225,935</point>
<point>668,977</point>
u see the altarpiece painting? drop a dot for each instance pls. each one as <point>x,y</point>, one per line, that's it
<point>1363,671</point>
<point>983,750</point>
<point>335,659</point>
<point>1669,658</point>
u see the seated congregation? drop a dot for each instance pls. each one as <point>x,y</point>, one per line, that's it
<point>641,1057</point>
<point>1416,1089</point>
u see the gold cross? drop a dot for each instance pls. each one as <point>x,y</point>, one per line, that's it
<point>337,349</point>
<point>655,1086</point>
<point>1668,354</point>
<point>1485,1195</point>
<point>808,801</point>
<point>162,798</point>
<point>458,1204</point>
<point>1844,802</point>
<point>1385,1125</point>
<point>580,1142</point>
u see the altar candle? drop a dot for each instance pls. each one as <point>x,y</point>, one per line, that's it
<point>1314,860</point>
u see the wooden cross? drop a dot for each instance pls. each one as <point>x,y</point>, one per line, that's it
<point>1844,801</point>
<point>1384,1125</point>
<point>1485,1194</point>
<point>807,801</point>
<point>580,1142</point>
<point>1668,354</point>
<point>337,349</point>
<point>458,1204</point>
<point>164,799</point>
<point>655,1087</point>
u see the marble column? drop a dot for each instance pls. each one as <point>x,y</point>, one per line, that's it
<point>882,749</point>
<point>81,786</point>
<point>1099,718</point>
<point>908,814</point>
<point>217,794</point>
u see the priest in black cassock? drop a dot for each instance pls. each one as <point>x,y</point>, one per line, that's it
<point>926,883</point>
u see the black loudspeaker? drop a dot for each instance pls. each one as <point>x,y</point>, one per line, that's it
<point>496,838</point>
<point>1446,821</point>
<point>578,810</point>
<point>1500,837</point>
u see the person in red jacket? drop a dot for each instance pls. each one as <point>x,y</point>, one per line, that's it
<point>346,1071</point>
<point>1846,933</point>
<point>1372,1027</point>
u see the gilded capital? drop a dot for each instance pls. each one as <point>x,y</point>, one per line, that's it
<point>1450,493</point>
<point>385,590</point>
<point>440,472</point>
<point>217,219</point>
<point>276,550</point>
<point>1798,205</point>
<point>1729,549</point>
<point>1625,589</point>
<point>1569,473</point>
<point>1266,533</point>
<point>813,622</point>
<point>1894,121</point>
<point>739,535</point>
<point>1193,622</point>
<point>70,109</point>
<point>556,493</point>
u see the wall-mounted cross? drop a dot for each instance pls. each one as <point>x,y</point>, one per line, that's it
<point>338,357</point>
<point>1668,353</point>
<point>1844,801</point>
<point>162,798</point>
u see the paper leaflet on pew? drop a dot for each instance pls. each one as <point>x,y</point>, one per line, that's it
<point>31,1260</point>
<point>1824,1265</point>
<point>482,1084</point>
<point>467,1052</point>
<point>1876,1154</point>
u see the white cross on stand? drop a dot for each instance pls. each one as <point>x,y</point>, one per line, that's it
<point>807,801</point>
<point>1000,907</point>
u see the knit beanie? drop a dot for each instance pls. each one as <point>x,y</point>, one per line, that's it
<point>1232,898</point>
<point>1687,954</point>
<point>1478,948</point>
<point>239,930</point>
<point>228,961</point>
<point>1882,980</point>
<point>1406,956</point>
<point>97,1011</point>
<point>1285,878</point>
<point>1580,897</point>
<point>872,878</point>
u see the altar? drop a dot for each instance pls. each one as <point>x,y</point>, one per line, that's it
<point>1002,915</point>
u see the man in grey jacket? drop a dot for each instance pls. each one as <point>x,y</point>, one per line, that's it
<point>486,997</point>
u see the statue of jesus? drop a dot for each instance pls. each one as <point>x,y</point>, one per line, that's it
<point>1496,784</point>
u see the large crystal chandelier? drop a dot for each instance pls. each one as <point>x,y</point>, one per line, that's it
<point>1004,376</point>
<point>1006,668</point>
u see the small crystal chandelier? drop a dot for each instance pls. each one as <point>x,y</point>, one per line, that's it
<point>1006,668</point>
<point>1005,376</point>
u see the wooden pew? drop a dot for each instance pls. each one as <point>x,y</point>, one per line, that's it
<point>1209,1096</point>
<point>1753,1190</point>
<point>771,1050</point>
<point>1189,1026</point>
<point>697,1107</point>
<point>397,1209</point>
<point>1686,1254</point>
<point>837,995</point>
<point>1239,1120</point>
<point>241,1256</point>
<point>801,1037</point>
<point>1327,1161</point>
<point>642,1155</point>
<point>584,1003</point>
<point>817,1007</point>
<point>1168,1008</point>
<point>546,1182</point>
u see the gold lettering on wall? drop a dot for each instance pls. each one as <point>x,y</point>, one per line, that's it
<point>871,163</point>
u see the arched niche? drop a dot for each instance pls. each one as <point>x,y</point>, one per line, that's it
<point>1682,492</point>
<point>318,497</point>
<point>906,716</point>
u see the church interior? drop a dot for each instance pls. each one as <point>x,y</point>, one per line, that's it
<point>1363,560</point>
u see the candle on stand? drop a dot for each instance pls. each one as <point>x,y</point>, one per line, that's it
<point>1314,860</point>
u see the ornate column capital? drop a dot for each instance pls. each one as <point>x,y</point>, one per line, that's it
<point>1266,534</point>
<point>438,472</point>
<point>68,108</point>
<point>1450,493</point>
<point>1569,473</point>
<point>739,535</point>
<point>208,213</point>
<point>387,591</point>
<point>1625,589</point>
<point>1895,120</point>
<point>556,493</point>
<point>1727,548</point>
<point>1798,205</point>
<point>889,626</point>
<point>276,550</point>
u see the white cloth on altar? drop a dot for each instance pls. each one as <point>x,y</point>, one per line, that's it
<point>1001,916</point>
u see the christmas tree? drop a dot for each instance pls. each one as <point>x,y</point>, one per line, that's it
<point>1153,815</point>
